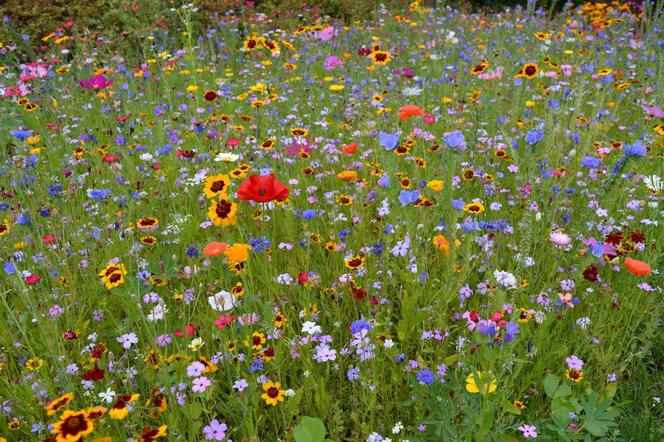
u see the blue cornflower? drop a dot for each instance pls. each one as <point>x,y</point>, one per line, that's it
<point>533,136</point>
<point>426,377</point>
<point>636,149</point>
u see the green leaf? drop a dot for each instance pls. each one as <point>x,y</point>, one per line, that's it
<point>598,418</point>
<point>195,410</point>
<point>310,429</point>
<point>563,390</point>
<point>551,384</point>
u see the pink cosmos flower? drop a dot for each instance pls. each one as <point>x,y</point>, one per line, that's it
<point>96,82</point>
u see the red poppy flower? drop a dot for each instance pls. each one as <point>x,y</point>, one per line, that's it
<point>32,279</point>
<point>638,268</point>
<point>48,239</point>
<point>350,149</point>
<point>262,189</point>
<point>215,248</point>
<point>189,328</point>
<point>410,110</point>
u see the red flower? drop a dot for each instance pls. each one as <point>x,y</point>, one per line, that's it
<point>32,279</point>
<point>302,278</point>
<point>189,328</point>
<point>48,239</point>
<point>262,189</point>
<point>94,374</point>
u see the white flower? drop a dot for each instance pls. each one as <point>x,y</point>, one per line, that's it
<point>158,312</point>
<point>196,344</point>
<point>107,396</point>
<point>146,157</point>
<point>583,322</point>
<point>227,157</point>
<point>388,343</point>
<point>289,393</point>
<point>397,428</point>
<point>412,91</point>
<point>222,301</point>
<point>505,279</point>
<point>311,328</point>
<point>653,183</point>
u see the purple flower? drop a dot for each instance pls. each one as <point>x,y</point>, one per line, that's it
<point>127,340</point>
<point>215,431</point>
<point>200,384</point>
<point>528,431</point>
<point>636,149</point>
<point>240,385</point>
<point>574,363</point>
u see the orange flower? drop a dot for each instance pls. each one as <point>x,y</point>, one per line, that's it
<point>215,248</point>
<point>237,253</point>
<point>347,175</point>
<point>638,268</point>
<point>350,149</point>
<point>410,110</point>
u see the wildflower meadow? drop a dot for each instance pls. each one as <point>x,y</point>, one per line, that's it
<point>430,224</point>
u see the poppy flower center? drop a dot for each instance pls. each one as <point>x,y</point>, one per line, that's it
<point>262,191</point>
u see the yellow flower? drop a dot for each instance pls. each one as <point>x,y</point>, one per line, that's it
<point>34,364</point>
<point>337,87</point>
<point>488,387</point>
<point>216,185</point>
<point>436,185</point>
<point>273,393</point>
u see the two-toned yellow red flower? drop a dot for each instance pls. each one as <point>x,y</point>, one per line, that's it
<point>217,185</point>
<point>223,213</point>
<point>58,404</point>
<point>73,426</point>
<point>273,393</point>
<point>119,410</point>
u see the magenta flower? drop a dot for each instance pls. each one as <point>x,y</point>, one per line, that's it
<point>96,82</point>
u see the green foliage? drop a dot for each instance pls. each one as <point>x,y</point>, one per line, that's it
<point>310,429</point>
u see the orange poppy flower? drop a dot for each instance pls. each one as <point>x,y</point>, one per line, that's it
<point>636,267</point>
<point>215,248</point>
<point>350,149</point>
<point>410,110</point>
